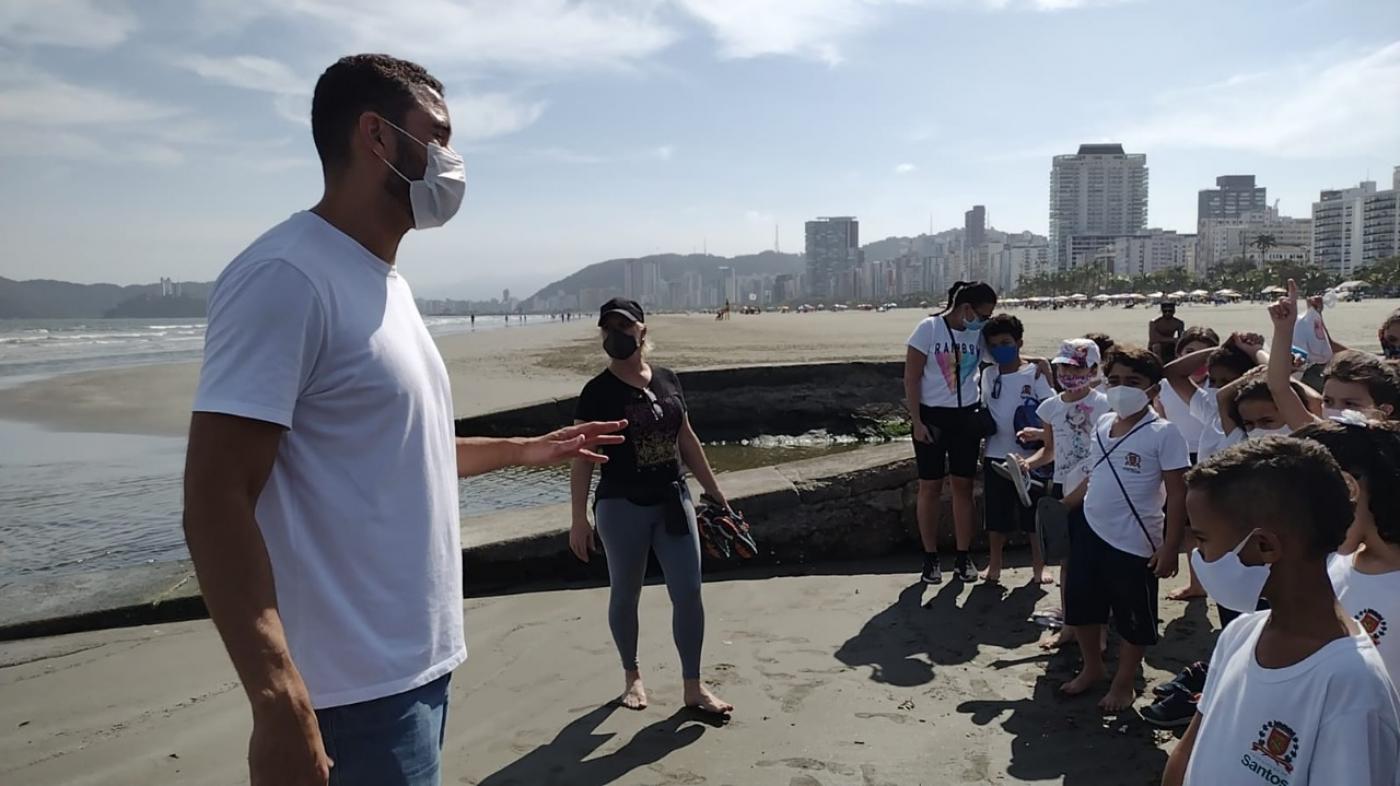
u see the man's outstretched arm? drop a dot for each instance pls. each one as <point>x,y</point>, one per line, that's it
<point>479,455</point>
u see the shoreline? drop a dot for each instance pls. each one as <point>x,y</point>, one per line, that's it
<point>507,367</point>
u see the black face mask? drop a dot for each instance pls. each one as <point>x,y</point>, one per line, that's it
<point>619,345</point>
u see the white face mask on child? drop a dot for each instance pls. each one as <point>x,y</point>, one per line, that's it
<point>1229,582</point>
<point>1260,433</point>
<point>1127,400</point>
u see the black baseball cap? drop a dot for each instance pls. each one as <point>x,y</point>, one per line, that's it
<point>619,305</point>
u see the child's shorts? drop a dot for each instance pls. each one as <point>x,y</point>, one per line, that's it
<point>1102,579</point>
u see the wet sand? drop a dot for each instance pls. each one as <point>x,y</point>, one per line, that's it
<point>852,677</point>
<point>504,368</point>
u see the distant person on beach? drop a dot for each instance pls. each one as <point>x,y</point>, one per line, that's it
<point>1164,331</point>
<point>1310,334</point>
<point>321,506</point>
<point>1297,693</point>
<point>941,373</point>
<point>642,504</point>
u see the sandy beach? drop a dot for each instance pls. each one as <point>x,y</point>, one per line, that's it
<point>504,368</point>
<point>850,676</point>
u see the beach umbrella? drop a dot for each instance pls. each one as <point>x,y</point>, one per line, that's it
<point>1199,293</point>
<point>1155,296</point>
<point>1272,290</point>
<point>1177,295</point>
<point>1101,298</point>
<point>1353,285</point>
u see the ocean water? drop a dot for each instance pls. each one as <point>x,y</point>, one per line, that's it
<point>45,347</point>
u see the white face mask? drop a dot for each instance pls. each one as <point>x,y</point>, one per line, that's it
<point>1229,582</point>
<point>437,196</point>
<point>1260,433</point>
<point>1127,400</point>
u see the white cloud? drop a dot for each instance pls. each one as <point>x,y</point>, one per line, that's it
<point>904,169</point>
<point>486,115</point>
<point>83,24</point>
<point>1303,110</point>
<point>527,35</point>
<point>249,72</point>
<point>664,152</point>
<point>813,29</point>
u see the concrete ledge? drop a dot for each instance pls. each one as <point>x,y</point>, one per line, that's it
<point>854,504</point>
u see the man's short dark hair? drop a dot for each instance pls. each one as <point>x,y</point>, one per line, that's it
<point>1138,359</point>
<point>1273,481</point>
<point>359,84</point>
<point>1004,325</point>
<point>1379,377</point>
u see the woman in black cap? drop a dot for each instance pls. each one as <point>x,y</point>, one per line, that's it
<point>642,503</point>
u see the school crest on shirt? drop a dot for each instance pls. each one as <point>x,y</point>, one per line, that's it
<point>1133,462</point>
<point>1277,742</point>
<point>1373,622</point>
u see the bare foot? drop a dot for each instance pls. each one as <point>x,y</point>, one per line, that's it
<point>1052,642</point>
<point>699,697</point>
<point>1086,680</point>
<point>1118,698</point>
<point>990,574</point>
<point>634,696</point>
<point>1041,578</point>
<point>1189,592</point>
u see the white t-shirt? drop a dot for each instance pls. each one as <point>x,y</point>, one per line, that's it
<point>310,331</point>
<point>1073,425</point>
<point>1310,333</point>
<point>1373,600</point>
<point>1025,386</point>
<point>935,339</point>
<point>1141,456</point>
<point>1204,407</point>
<point>1327,721</point>
<point>1178,411</point>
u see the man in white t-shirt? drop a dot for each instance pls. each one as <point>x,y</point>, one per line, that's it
<point>321,504</point>
<point>1121,540</point>
<point>1012,390</point>
<point>1296,695</point>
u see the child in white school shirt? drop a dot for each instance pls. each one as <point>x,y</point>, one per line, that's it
<point>1297,694</point>
<point>1365,571</point>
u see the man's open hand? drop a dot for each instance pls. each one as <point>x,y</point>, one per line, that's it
<point>573,442</point>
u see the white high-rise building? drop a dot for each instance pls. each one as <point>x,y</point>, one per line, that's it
<point>1137,254</point>
<point>1354,228</point>
<point>833,255</point>
<point>1099,191</point>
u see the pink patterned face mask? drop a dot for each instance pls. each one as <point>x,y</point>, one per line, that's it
<point>1076,382</point>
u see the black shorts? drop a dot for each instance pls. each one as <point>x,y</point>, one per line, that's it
<point>956,444</point>
<point>1102,578</point>
<point>1001,508</point>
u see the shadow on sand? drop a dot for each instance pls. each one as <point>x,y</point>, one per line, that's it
<point>561,761</point>
<point>1056,738</point>
<point>904,642</point>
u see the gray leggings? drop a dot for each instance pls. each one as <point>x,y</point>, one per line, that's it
<point>629,531</point>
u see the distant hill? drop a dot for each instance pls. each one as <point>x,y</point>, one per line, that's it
<point>44,299</point>
<point>608,275</point>
<point>157,307</point>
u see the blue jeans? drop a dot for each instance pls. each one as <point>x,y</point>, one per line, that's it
<point>393,741</point>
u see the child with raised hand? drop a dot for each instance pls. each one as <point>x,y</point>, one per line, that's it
<point>1225,366</point>
<point>1365,571</point>
<point>1009,387</point>
<point>1296,694</point>
<point>1354,380</point>
<point>1127,534</point>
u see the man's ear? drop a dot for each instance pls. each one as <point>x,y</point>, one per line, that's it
<point>1353,487</point>
<point>1264,548</point>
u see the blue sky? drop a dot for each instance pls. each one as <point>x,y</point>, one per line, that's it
<point>158,137</point>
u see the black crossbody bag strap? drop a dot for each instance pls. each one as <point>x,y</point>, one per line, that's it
<point>957,365</point>
<point>1107,451</point>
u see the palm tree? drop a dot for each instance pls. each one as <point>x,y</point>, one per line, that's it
<point>1264,243</point>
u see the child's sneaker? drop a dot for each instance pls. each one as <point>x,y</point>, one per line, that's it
<point>933,572</point>
<point>964,570</point>
<point>1172,711</point>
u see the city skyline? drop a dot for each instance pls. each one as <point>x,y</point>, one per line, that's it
<point>154,141</point>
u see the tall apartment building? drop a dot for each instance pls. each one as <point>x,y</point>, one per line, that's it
<point>1137,254</point>
<point>1232,197</point>
<point>833,255</point>
<point>975,226</point>
<point>1100,191</point>
<point>1354,228</point>
<point>641,281</point>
